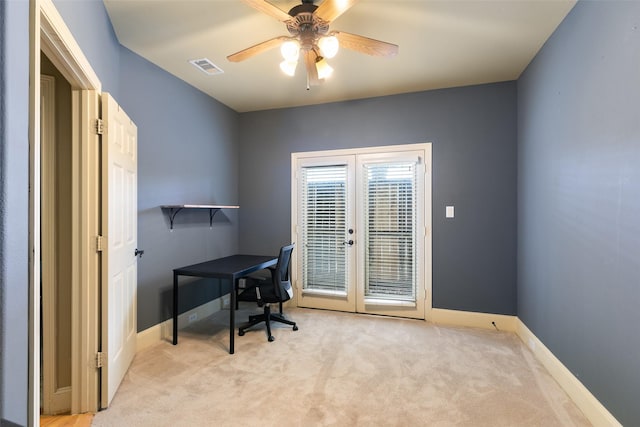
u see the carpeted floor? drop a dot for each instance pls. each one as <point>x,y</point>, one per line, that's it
<point>339,369</point>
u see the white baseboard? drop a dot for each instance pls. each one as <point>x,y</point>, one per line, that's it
<point>472,319</point>
<point>591,407</point>
<point>164,331</point>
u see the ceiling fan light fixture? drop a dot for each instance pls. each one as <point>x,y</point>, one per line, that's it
<point>329,46</point>
<point>324,69</point>
<point>289,67</point>
<point>290,50</point>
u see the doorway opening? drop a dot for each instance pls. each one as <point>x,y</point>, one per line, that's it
<point>64,178</point>
<point>56,242</point>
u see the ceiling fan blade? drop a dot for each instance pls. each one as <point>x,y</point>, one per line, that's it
<point>266,7</point>
<point>366,45</point>
<point>312,71</point>
<point>256,49</point>
<point>331,9</point>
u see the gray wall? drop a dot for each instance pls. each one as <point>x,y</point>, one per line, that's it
<point>173,169</point>
<point>187,154</point>
<point>90,25</point>
<point>473,131</point>
<point>579,200</point>
<point>14,209</point>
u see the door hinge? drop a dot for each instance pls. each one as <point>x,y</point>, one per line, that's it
<point>99,243</point>
<point>99,126</point>
<point>99,359</point>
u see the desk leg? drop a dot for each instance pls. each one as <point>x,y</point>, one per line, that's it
<point>232,315</point>
<point>175,309</point>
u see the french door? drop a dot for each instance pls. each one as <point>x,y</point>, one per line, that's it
<point>361,219</point>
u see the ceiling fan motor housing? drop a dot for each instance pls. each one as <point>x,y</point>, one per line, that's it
<point>306,25</point>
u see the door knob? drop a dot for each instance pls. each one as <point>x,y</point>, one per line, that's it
<point>138,253</point>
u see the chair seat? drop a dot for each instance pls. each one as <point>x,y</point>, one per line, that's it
<point>267,293</point>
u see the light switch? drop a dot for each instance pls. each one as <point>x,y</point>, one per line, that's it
<point>449,212</point>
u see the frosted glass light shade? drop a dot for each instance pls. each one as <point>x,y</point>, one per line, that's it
<point>324,69</point>
<point>329,46</point>
<point>290,50</point>
<point>289,67</point>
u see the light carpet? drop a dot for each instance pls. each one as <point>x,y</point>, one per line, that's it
<point>339,369</point>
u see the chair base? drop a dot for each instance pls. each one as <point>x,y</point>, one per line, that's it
<point>267,317</point>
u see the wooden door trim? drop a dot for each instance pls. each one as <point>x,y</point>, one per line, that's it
<point>57,42</point>
<point>86,277</point>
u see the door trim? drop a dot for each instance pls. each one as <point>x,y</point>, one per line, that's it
<point>428,235</point>
<point>57,42</point>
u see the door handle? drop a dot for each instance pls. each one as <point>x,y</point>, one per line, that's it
<point>138,253</point>
<point>348,242</point>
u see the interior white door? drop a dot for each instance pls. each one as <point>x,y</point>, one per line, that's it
<point>119,287</point>
<point>362,220</point>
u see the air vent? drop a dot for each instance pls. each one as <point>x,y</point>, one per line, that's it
<point>206,66</point>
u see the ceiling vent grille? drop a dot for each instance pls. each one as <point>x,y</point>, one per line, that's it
<point>206,66</point>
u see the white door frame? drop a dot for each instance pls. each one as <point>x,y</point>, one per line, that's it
<point>57,42</point>
<point>428,236</point>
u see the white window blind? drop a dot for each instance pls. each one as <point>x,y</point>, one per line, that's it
<point>390,230</point>
<point>324,206</point>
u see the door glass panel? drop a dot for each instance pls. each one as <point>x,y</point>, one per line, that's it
<point>390,230</point>
<point>324,227</point>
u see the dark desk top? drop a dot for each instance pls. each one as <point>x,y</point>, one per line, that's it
<point>231,267</point>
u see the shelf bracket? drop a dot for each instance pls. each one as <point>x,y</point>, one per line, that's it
<point>172,215</point>
<point>173,210</point>
<point>212,213</point>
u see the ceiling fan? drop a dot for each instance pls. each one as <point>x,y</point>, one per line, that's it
<point>308,26</point>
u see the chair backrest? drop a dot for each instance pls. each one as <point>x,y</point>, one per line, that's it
<point>283,289</point>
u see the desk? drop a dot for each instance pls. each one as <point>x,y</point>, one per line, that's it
<point>232,267</point>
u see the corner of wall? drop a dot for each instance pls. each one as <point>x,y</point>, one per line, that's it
<point>590,406</point>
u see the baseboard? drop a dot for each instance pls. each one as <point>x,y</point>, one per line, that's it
<point>164,331</point>
<point>472,319</point>
<point>590,406</point>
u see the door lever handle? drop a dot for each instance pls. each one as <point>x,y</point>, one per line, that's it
<point>138,253</point>
<point>348,242</point>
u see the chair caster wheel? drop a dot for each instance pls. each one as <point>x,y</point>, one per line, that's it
<point>241,332</point>
<point>271,338</point>
<point>295,327</point>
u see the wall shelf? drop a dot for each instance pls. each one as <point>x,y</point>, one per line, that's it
<point>213,209</point>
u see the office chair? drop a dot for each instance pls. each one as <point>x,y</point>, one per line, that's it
<point>274,289</point>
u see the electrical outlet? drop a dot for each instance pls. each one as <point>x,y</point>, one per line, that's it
<point>193,317</point>
<point>225,301</point>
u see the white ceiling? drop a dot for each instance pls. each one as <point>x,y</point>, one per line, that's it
<point>443,43</point>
